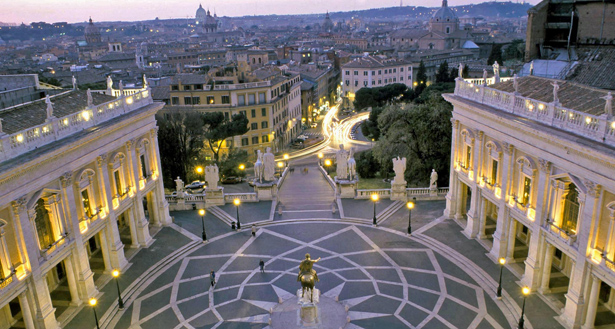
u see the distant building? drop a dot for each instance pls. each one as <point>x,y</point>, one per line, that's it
<point>92,34</point>
<point>444,32</point>
<point>327,24</point>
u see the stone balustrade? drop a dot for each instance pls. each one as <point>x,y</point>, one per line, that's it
<point>55,129</point>
<point>597,128</point>
<point>244,197</point>
<point>481,81</point>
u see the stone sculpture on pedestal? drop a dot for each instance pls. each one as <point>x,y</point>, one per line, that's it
<point>352,166</point>
<point>433,180</point>
<point>269,165</point>
<point>258,167</point>
<point>399,167</point>
<point>212,177</point>
<point>341,159</point>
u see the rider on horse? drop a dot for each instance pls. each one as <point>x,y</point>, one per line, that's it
<point>306,268</point>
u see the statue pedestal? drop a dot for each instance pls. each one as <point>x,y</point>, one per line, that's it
<point>266,190</point>
<point>308,311</point>
<point>347,188</point>
<point>214,196</point>
<point>398,191</point>
<point>433,191</point>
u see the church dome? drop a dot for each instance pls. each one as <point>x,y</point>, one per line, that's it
<point>201,14</point>
<point>327,24</point>
<point>444,14</point>
<point>92,34</point>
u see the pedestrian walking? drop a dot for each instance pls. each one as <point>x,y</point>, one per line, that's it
<point>254,230</point>
<point>262,266</point>
<point>212,278</point>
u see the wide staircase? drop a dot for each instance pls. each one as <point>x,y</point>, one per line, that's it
<point>305,193</point>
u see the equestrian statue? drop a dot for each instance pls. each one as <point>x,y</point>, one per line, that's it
<point>307,276</point>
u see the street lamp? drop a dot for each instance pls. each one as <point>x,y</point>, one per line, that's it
<point>242,167</point>
<point>93,304</point>
<point>116,275</point>
<point>280,165</point>
<point>237,202</point>
<point>327,165</point>
<point>320,156</point>
<point>410,206</point>
<point>526,292</point>
<point>374,199</point>
<point>202,214</point>
<point>498,293</point>
<point>286,159</point>
<point>199,170</point>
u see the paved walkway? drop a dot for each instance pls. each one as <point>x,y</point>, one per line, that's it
<point>306,195</point>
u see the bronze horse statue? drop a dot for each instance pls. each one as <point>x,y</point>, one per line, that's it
<point>307,276</point>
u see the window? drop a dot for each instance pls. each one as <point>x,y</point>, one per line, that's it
<point>401,69</point>
<point>379,72</point>
<point>448,30</point>
<point>468,156</point>
<point>226,100</point>
<point>143,166</point>
<point>365,83</point>
<point>255,140</point>
<point>211,100</point>
<point>119,190</point>
<point>527,189</point>
<point>494,172</point>
<point>251,99</point>
<point>347,82</point>
<point>379,82</point>
<point>253,112</point>
<point>264,112</point>
<point>373,72</point>
<point>244,141</point>
<point>243,113</point>
<point>401,78</point>
<point>87,205</point>
<point>261,98</point>
<point>571,209</point>
<point>394,70</point>
<point>226,116</point>
<point>186,87</point>
<point>43,225</point>
<point>241,100</point>
<point>175,100</point>
<point>254,126</point>
<point>356,83</point>
<point>196,100</point>
<point>356,72</point>
<point>364,73</point>
<point>174,87</point>
<point>373,82</point>
<point>264,124</point>
<point>385,81</point>
<point>347,72</point>
<point>187,100</point>
<point>265,138</point>
<point>198,87</point>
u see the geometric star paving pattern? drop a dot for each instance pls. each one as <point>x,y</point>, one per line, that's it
<point>386,280</point>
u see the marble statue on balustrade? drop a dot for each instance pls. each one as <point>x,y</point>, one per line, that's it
<point>145,82</point>
<point>49,108</point>
<point>433,179</point>
<point>341,159</point>
<point>460,72</point>
<point>212,177</point>
<point>399,167</point>
<point>484,77</point>
<point>90,100</point>
<point>258,167</point>
<point>496,72</point>
<point>608,106</point>
<point>555,91</point>
<point>269,166</point>
<point>109,82</point>
<point>74,83</point>
<point>121,89</point>
<point>532,68</point>
<point>352,166</point>
<point>179,187</point>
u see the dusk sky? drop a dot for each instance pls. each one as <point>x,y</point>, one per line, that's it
<point>73,11</point>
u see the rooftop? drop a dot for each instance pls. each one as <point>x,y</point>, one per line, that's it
<point>373,62</point>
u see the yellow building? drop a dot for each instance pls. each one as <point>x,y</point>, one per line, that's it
<point>272,106</point>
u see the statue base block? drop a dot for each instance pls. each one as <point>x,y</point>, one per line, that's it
<point>324,313</point>
<point>346,188</point>
<point>308,311</point>
<point>214,196</point>
<point>433,191</point>
<point>398,192</point>
<point>266,190</point>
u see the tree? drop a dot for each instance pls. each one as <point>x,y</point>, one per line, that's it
<point>421,79</point>
<point>380,96</point>
<point>367,165</point>
<point>370,126</point>
<point>230,162</point>
<point>419,132</point>
<point>495,55</point>
<point>364,98</point>
<point>442,75</point>
<point>179,140</point>
<point>515,50</point>
<point>216,129</point>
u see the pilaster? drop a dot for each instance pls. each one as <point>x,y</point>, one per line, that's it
<point>451,196</point>
<point>499,236</point>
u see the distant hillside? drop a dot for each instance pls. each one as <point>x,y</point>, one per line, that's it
<point>485,9</point>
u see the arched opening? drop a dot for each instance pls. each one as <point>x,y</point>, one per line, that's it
<point>42,221</point>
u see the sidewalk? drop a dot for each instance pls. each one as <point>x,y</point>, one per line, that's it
<point>167,241</point>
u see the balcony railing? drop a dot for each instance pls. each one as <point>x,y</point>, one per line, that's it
<point>55,246</point>
<point>6,281</point>
<point>58,128</point>
<point>566,236</point>
<point>597,128</point>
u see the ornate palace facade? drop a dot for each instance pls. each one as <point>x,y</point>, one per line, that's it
<point>532,180</point>
<point>80,185</point>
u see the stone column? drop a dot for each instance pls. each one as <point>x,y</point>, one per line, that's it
<point>72,282</point>
<point>609,248</point>
<point>546,269</point>
<point>483,219</point>
<point>113,243</point>
<point>512,235</point>
<point>141,223</point>
<point>26,311</point>
<point>592,304</point>
<point>80,261</point>
<point>161,204</point>
<point>499,236</point>
<point>5,257</point>
<point>451,197</point>
<point>532,262</point>
<point>44,310</point>
<point>472,226</point>
<point>588,208</point>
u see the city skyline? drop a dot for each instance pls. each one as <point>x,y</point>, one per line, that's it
<point>28,11</point>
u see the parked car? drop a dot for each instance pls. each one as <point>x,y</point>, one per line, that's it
<point>314,124</point>
<point>231,180</point>
<point>303,137</point>
<point>195,185</point>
